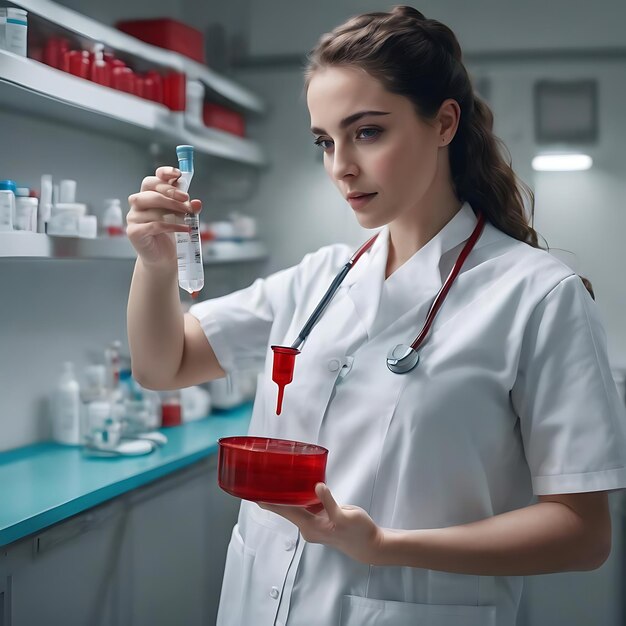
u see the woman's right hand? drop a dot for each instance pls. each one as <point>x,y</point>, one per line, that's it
<point>147,228</point>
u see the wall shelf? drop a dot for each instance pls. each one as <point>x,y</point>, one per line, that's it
<point>90,30</point>
<point>29,86</point>
<point>18,245</point>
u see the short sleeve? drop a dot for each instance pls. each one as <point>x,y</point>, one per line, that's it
<point>572,420</point>
<point>238,325</point>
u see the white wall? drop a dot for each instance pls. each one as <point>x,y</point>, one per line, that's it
<point>292,27</point>
<point>116,10</point>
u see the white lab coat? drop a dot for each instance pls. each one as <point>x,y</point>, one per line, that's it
<point>512,396</point>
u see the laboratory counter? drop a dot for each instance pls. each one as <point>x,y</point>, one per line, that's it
<point>46,483</point>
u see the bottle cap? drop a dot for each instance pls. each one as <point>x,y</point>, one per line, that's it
<point>125,374</point>
<point>8,185</point>
<point>185,158</point>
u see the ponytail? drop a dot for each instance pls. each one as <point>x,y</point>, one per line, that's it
<point>482,175</point>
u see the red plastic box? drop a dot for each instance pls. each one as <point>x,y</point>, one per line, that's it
<point>169,34</point>
<point>217,116</point>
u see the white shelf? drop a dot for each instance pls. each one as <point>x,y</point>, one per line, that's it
<point>92,30</point>
<point>32,87</point>
<point>23,244</point>
<point>35,245</point>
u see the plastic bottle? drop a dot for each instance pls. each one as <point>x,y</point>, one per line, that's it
<point>15,30</point>
<point>112,364</point>
<point>188,245</point>
<point>7,209</point>
<point>25,210</point>
<point>66,418</point>
<point>171,408</point>
<point>113,220</point>
<point>7,205</point>
<point>45,204</point>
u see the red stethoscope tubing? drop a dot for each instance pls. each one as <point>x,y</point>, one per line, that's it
<point>443,292</point>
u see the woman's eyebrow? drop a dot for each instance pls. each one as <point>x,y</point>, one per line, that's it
<point>349,120</point>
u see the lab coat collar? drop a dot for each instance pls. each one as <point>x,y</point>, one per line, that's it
<point>419,278</point>
<point>426,268</point>
<point>455,232</point>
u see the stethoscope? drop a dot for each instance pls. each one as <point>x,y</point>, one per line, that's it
<point>401,358</point>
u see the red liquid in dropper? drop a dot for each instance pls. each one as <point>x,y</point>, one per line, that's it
<point>282,370</point>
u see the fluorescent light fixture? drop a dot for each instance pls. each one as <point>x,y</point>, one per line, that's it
<point>562,162</point>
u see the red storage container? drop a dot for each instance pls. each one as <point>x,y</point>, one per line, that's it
<point>54,53</point>
<point>123,79</point>
<point>153,87</point>
<point>79,63</point>
<point>174,91</point>
<point>167,33</point>
<point>217,116</point>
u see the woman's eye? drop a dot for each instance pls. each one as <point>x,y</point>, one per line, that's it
<point>325,144</point>
<point>369,133</point>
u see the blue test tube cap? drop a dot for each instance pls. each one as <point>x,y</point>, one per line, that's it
<point>8,185</point>
<point>185,158</point>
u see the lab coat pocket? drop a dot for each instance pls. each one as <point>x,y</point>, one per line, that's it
<point>236,582</point>
<point>358,611</point>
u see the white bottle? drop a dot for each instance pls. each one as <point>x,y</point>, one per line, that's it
<point>45,204</point>
<point>7,209</point>
<point>66,416</point>
<point>195,101</point>
<point>15,31</point>
<point>26,213</point>
<point>113,220</point>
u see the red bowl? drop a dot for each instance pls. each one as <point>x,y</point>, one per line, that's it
<point>276,471</point>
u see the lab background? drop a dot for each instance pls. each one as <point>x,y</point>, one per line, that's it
<point>162,563</point>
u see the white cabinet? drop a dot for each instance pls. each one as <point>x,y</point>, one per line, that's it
<point>152,557</point>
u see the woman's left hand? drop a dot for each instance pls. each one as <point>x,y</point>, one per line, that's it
<point>347,528</point>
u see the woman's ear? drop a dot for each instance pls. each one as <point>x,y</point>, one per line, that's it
<point>448,118</point>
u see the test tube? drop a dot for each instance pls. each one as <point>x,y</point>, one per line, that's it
<point>188,246</point>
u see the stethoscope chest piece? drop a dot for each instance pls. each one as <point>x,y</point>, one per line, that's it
<point>402,359</point>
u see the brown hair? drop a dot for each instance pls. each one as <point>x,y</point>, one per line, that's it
<point>421,59</point>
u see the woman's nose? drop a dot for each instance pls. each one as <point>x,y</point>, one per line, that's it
<point>344,164</point>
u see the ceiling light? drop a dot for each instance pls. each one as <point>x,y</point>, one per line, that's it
<point>562,162</point>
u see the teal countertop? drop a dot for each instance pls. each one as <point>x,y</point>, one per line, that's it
<point>46,483</point>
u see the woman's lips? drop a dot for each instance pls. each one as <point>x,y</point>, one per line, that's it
<point>360,201</point>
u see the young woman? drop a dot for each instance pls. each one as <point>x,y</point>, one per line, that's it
<point>435,467</point>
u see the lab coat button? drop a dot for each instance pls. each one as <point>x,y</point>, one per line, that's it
<point>334,365</point>
<point>290,544</point>
<point>274,592</point>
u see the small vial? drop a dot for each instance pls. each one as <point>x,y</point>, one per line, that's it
<point>188,245</point>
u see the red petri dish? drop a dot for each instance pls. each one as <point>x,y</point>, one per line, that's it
<point>276,471</point>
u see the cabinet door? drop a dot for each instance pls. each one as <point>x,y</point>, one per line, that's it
<point>67,574</point>
<point>177,540</point>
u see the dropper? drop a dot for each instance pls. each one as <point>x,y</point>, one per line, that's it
<point>285,356</point>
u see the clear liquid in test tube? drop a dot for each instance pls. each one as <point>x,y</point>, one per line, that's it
<point>188,245</point>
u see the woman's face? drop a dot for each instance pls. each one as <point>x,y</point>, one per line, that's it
<point>374,142</point>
